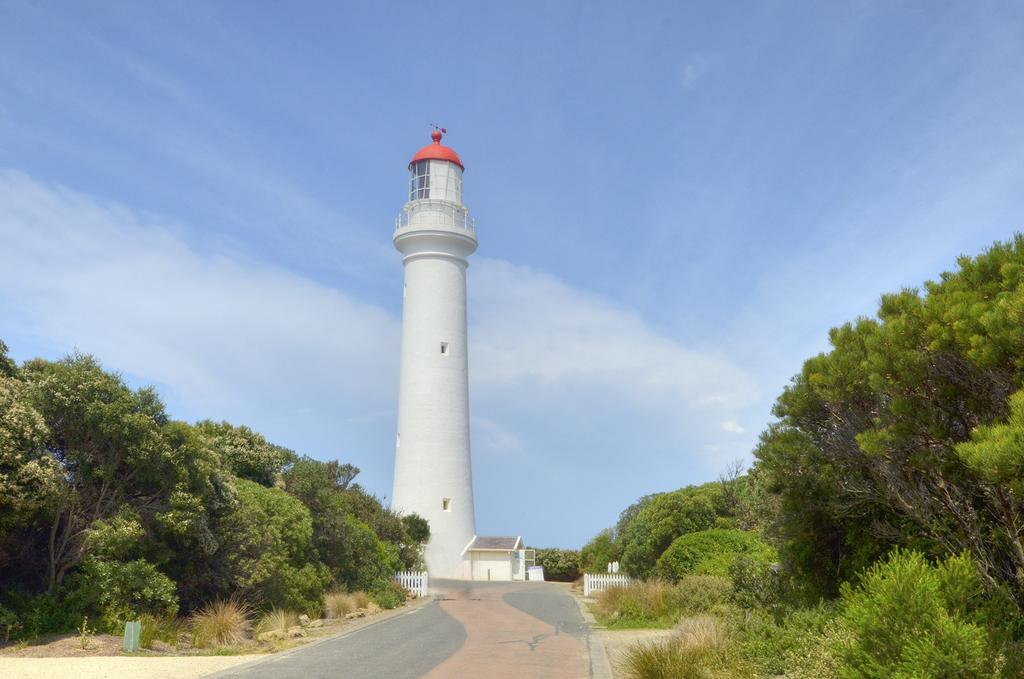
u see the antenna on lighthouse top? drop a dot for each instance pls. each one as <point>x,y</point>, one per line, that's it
<point>438,131</point>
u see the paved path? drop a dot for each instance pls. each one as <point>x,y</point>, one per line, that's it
<point>475,629</point>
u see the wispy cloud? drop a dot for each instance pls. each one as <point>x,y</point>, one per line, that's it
<point>554,369</point>
<point>694,70</point>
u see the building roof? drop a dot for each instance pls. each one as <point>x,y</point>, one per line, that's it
<point>498,544</point>
<point>437,151</point>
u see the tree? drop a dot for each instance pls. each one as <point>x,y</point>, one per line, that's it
<point>356,555</point>
<point>866,451</point>
<point>599,552</point>
<point>662,519</point>
<point>105,440</point>
<point>266,550</point>
<point>560,565</point>
<point>246,453</point>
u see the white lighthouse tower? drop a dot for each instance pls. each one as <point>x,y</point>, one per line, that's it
<point>433,474</point>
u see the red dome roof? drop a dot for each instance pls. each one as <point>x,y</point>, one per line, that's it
<point>437,151</point>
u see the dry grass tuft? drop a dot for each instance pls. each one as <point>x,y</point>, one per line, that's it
<point>703,632</point>
<point>277,620</point>
<point>699,650</point>
<point>222,623</point>
<point>338,604</point>
<point>362,599</point>
<point>637,603</point>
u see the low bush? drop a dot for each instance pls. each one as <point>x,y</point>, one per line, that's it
<point>911,618</point>
<point>390,595</point>
<point>696,594</point>
<point>362,599</point>
<point>711,552</point>
<point>127,590</point>
<point>769,644</point>
<point>221,623</point>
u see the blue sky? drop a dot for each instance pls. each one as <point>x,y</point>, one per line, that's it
<point>674,202</point>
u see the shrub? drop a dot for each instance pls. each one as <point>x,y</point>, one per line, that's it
<point>598,553</point>
<point>267,550</point>
<point>907,619</point>
<point>126,591</point>
<point>818,656</point>
<point>221,622</point>
<point>9,624</point>
<point>560,565</point>
<point>390,595</point>
<point>768,643</point>
<point>696,594</point>
<point>711,552</point>
<point>659,520</point>
<point>755,584</point>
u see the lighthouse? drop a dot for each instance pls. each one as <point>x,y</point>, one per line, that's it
<point>433,472</point>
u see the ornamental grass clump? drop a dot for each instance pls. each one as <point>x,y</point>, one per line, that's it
<point>221,623</point>
<point>656,603</point>
<point>276,620</point>
<point>699,650</point>
<point>361,599</point>
<point>339,604</point>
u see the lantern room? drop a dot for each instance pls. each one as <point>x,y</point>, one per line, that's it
<point>435,172</point>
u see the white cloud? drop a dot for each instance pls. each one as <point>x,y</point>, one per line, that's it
<point>533,336</point>
<point>694,70</point>
<point>214,329</point>
<point>731,426</point>
<point>565,384</point>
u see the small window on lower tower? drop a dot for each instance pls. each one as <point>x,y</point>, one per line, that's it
<point>446,504</point>
<point>444,348</point>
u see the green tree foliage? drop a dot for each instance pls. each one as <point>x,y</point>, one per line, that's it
<point>266,550</point>
<point>660,519</point>
<point>108,508</point>
<point>711,552</point>
<point>867,450</point>
<point>599,552</point>
<point>910,618</point>
<point>247,454</point>
<point>560,565</point>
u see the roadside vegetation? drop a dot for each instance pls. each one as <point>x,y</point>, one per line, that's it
<point>112,511</point>
<point>878,532</point>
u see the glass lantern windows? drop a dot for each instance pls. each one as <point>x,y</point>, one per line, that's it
<point>419,180</point>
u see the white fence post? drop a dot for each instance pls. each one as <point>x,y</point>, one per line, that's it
<point>414,581</point>
<point>598,582</point>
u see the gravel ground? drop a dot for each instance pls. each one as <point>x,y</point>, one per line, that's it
<point>112,667</point>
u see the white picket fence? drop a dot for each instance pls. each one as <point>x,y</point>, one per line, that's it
<point>598,582</point>
<point>414,581</point>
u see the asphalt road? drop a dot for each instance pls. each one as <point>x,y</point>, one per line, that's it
<point>473,629</point>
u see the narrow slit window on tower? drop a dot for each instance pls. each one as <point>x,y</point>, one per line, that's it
<point>446,504</point>
<point>444,348</point>
<point>398,441</point>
